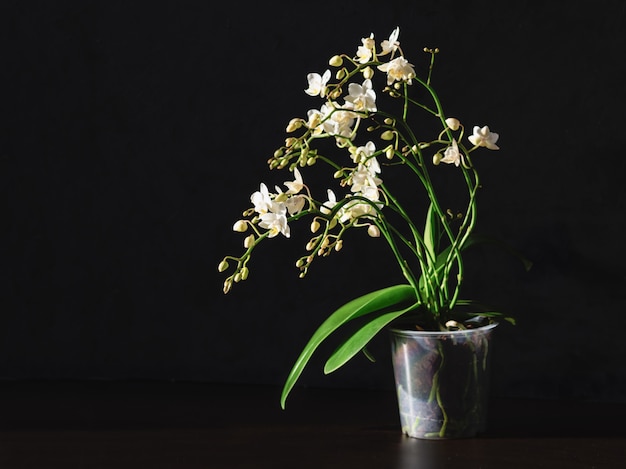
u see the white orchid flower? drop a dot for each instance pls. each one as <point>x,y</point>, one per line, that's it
<point>262,200</point>
<point>275,223</point>
<point>361,154</point>
<point>452,155</point>
<point>317,83</point>
<point>391,44</point>
<point>483,137</point>
<point>361,97</point>
<point>330,203</point>
<point>337,121</point>
<point>399,69</point>
<point>296,185</point>
<point>364,51</point>
<point>295,204</point>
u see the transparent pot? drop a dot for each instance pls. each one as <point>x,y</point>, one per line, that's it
<point>442,381</point>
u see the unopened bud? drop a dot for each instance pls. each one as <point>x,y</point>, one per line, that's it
<point>335,61</point>
<point>389,152</point>
<point>339,245</point>
<point>315,225</point>
<point>249,241</point>
<point>244,273</point>
<point>373,231</point>
<point>453,123</point>
<point>368,73</point>
<point>387,135</point>
<point>222,266</point>
<point>437,158</point>
<point>228,284</point>
<point>240,226</point>
<point>294,124</point>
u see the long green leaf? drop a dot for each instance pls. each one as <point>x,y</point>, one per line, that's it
<point>360,339</point>
<point>374,301</point>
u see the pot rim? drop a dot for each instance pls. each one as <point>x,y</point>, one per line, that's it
<point>412,332</point>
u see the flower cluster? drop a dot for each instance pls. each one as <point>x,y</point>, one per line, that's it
<point>367,110</point>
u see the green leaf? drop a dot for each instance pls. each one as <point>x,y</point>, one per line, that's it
<point>360,339</point>
<point>374,301</point>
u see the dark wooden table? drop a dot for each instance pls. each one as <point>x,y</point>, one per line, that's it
<point>103,424</point>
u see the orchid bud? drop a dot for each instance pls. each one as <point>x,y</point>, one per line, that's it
<point>437,158</point>
<point>368,73</point>
<point>244,273</point>
<point>335,61</point>
<point>249,241</point>
<point>315,225</point>
<point>373,231</point>
<point>389,152</point>
<point>453,123</point>
<point>240,226</point>
<point>387,135</point>
<point>294,124</point>
<point>222,266</point>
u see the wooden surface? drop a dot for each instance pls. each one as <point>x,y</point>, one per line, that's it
<point>98,424</point>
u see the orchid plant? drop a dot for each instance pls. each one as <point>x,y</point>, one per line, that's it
<point>369,106</point>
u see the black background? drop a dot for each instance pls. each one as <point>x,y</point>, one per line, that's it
<point>133,134</point>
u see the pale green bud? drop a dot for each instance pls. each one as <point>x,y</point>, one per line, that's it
<point>315,225</point>
<point>249,241</point>
<point>335,61</point>
<point>389,152</point>
<point>368,72</point>
<point>387,135</point>
<point>222,266</point>
<point>240,226</point>
<point>294,124</point>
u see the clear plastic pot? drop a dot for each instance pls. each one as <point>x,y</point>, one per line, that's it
<point>442,381</point>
